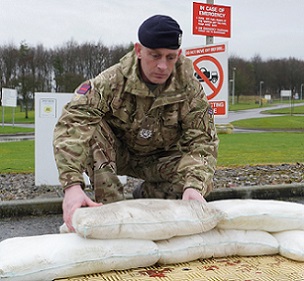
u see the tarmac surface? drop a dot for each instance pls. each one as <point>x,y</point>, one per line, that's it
<point>252,113</point>
<point>44,216</point>
<point>37,217</point>
<point>29,225</point>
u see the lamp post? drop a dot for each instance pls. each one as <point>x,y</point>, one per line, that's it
<point>261,83</point>
<point>233,84</point>
<point>302,91</point>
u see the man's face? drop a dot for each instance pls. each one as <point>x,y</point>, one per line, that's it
<point>156,64</point>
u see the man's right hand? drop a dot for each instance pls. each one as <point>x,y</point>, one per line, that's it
<point>75,198</point>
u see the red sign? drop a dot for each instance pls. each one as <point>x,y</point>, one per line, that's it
<point>211,20</point>
<point>219,107</point>
<point>214,89</point>
<point>210,65</point>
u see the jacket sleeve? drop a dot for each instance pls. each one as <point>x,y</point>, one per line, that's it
<point>199,143</point>
<point>73,131</point>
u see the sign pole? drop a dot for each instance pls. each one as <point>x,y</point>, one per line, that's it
<point>210,39</point>
<point>2,116</point>
<point>13,116</point>
<point>2,103</point>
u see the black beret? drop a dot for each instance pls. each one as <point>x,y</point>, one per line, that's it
<point>160,32</point>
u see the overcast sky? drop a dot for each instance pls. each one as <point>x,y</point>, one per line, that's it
<point>269,28</point>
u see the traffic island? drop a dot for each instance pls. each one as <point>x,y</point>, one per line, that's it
<point>224,128</point>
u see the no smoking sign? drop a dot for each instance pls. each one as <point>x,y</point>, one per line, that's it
<point>210,65</point>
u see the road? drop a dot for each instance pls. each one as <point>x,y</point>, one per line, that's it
<point>251,113</point>
<point>29,226</point>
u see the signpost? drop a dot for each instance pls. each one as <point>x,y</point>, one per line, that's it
<point>9,99</point>
<point>211,69</point>
<point>210,62</point>
<point>211,20</point>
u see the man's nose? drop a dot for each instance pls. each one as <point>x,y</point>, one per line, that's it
<point>162,64</point>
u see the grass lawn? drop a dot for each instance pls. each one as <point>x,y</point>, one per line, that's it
<point>15,130</point>
<point>287,110</point>
<point>249,102</point>
<point>234,150</point>
<point>17,157</point>
<point>286,122</point>
<point>19,116</point>
<point>260,148</point>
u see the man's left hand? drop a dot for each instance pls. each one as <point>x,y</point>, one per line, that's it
<point>193,194</point>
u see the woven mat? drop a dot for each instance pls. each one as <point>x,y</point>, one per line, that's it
<point>274,268</point>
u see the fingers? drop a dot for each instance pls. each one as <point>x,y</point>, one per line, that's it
<point>91,203</point>
<point>68,215</point>
<point>193,194</point>
<point>68,221</point>
<point>71,204</point>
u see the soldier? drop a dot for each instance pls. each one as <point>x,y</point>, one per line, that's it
<point>146,117</point>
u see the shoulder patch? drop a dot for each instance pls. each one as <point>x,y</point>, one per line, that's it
<point>210,111</point>
<point>84,88</point>
<point>211,114</point>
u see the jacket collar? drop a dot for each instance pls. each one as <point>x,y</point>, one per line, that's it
<point>134,84</point>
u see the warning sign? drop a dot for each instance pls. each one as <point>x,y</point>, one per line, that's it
<point>210,65</point>
<point>9,97</point>
<point>211,20</point>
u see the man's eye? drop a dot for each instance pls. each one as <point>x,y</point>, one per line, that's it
<point>155,56</point>
<point>171,57</point>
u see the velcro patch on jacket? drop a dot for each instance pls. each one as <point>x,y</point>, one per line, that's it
<point>84,88</point>
<point>210,113</point>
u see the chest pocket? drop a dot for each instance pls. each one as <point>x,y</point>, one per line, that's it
<point>122,108</point>
<point>171,129</point>
<point>170,115</point>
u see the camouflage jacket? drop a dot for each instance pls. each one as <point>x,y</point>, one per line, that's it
<point>176,114</point>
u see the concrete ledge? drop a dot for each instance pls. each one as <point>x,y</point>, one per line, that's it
<point>36,207</point>
<point>258,192</point>
<point>30,207</point>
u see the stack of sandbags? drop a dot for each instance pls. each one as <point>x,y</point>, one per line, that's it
<point>138,233</point>
<point>111,237</point>
<point>283,220</point>
<point>216,243</point>
<point>152,219</point>
<point>47,257</point>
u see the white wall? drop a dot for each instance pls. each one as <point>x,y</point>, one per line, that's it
<point>48,108</point>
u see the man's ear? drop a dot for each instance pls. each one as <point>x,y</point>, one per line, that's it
<point>138,48</point>
<point>179,52</point>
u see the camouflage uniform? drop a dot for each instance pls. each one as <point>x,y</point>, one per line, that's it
<point>115,125</point>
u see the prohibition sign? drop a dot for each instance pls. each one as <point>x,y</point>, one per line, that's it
<point>215,90</point>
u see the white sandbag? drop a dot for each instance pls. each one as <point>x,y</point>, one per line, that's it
<point>217,243</point>
<point>150,219</point>
<point>291,244</point>
<point>254,214</point>
<point>47,257</point>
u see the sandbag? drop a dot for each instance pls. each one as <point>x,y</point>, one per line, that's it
<point>217,243</point>
<point>254,214</point>
<point>150,219</point>
<point>291,244</point>
<point>47,257</point>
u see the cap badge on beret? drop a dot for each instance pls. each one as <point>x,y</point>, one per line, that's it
<point>180,39</point>
<point>160,32</point>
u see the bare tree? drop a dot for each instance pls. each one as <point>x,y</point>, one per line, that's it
<point>26,75</point>
<point>8,64</point>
